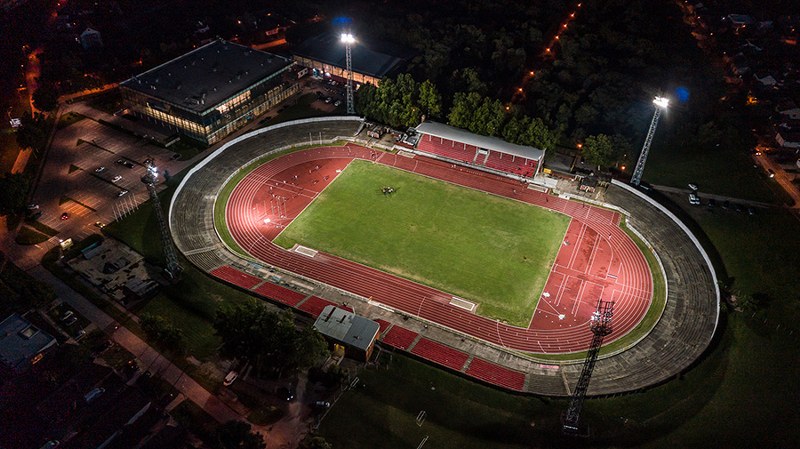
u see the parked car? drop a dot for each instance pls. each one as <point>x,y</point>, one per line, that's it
<point>52,444</point>
<point>125,163</point>
<point>712,203</point>
<point>230,378</point>
<point>771,173</point>
<point>116,178</point>
<point>69,314</point>
<point>693,186</point>
<point>32,206</point>
<point>694,200</point>
<point>328,100</point>
<point>337,103</point>
<point>122,193</point>
<point>65,216</point>
<point>322,404</point>
<point>70,321</point>
<point>100,169</point>
<point>93,394</point>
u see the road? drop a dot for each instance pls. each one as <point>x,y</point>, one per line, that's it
<point>781,177</point>
<point>709,196</point>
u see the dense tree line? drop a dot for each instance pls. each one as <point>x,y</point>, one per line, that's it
<point>268,340</point>
<point>402,103</point>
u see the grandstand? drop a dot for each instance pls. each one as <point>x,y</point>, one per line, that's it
<point>460,146</point>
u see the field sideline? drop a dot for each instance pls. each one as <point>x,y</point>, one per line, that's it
<point>487,249</point>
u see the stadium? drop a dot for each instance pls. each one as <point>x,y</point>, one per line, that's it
<point>448,247</point>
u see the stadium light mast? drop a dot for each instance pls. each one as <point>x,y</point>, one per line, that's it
<point>173,269</point>
<point>600,326</point>
<point>348,39</point>
<point>661,104</point>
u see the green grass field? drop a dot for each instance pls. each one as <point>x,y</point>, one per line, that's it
<point>490,250</point>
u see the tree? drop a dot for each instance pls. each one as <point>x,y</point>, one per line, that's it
<point>236,435</point>
<point>32,133</point>
<point>315,442</point>
<point>430,100</point>
<point>270,340</point>
<point>13,192</point>
<point>463,110</point>
<point>598,150</point>
<point>163,332</point>
<point>45,97</point>
<point>538,135</point>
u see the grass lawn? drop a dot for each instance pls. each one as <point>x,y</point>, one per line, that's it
<point>490,250</point>
<point>459,413</point>
<point>28,236</point>
<point>201,341</point>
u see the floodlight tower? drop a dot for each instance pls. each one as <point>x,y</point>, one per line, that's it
<point>600,326</point>
<point>661,104</point>
<point>173,269</point>
<point>348,39</point>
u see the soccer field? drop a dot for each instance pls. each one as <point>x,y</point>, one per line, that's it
<point>490,250</point>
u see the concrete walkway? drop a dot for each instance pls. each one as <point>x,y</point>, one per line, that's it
<point>149,359</point>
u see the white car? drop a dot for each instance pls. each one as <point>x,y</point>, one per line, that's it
<point>230,378</point>
<point>116,178</point>
<point>693,187</point>
<point>122,193</point>
<point>100,169</point>
<point>694,200</point>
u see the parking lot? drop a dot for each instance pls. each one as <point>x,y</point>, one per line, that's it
<point>92,172</point>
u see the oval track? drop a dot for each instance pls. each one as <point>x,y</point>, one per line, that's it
<point>290,182</point>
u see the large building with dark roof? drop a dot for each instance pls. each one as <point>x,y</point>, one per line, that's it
<point>346,331</point>
<point>210,92</point>
<point>325,55</point>
<point>22,344</point>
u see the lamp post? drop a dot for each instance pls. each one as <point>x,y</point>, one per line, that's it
<point>661,104</point>
<point>348,39</point>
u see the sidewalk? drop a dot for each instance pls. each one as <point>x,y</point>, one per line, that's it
<point>150,359</point>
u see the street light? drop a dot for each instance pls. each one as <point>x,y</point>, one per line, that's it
<point>661,104</point>
<point>348,39</point>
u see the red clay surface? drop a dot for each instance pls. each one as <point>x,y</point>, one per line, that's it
<point>597,260</point>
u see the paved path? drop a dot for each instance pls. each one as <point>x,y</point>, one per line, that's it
<point>702,194</point>
<point>150,359</point>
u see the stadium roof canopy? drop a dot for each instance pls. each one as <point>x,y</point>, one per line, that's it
<point>347,327</point>
<point>207,76</point>
<point>489,143</point>
<point>327,49</point>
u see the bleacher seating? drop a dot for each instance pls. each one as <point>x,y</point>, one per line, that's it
<point>399,337</point>
<point>314,305</point>
<point>281,294</point>
<point>236,277</point>
<point>383,326</point>
<point>496,374</point>
<point>446,148</point>
<point>441,354</point>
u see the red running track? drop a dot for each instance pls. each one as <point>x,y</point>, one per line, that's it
<point>597,260</point>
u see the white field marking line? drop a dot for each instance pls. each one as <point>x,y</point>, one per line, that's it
<point>462,303</point>
<point>304,250</point>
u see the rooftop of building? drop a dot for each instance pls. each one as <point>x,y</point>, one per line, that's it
<point>20,341</point>
<point>207,76</point>
<point>486,142</point>
<point>347,327</point>
<point>328,49</point>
